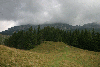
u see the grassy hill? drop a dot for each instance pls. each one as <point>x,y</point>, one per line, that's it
<point>49,54</point>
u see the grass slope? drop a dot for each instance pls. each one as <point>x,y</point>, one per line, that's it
<point>49,54</point>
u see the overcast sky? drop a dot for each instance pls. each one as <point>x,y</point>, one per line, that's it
<point>73,12</point>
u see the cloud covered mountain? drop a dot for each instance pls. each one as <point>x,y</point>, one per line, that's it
<point>62,26</point>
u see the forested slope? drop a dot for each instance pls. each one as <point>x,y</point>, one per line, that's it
<point>31,38</point>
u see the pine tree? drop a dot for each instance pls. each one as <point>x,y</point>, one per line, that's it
<point>69,37</point>
<point>86,39</point>
<point>39,35</point>
<point>75,38</point>
<point>89,39</point>
<point>81,39</point>
<point>93,33</point>
<point>93,38</point>
<point>30,39</point>
<point>20,39</point>
<point>96,42</point>
<point>35,36</point>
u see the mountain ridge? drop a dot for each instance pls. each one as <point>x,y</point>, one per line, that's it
<point>63,26</point>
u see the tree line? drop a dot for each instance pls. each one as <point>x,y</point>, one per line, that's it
<point>29,39</point>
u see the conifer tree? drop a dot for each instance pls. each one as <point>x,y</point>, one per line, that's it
<point>93,38</point>
<point>89,39</point>
<point>69,37</point>
<point>86,39</point>
<point>97,42</point>
<point>81,39</point>
<point>93,33</point>
<point>35,36</point>
<point>30,39</point>
<point>75,38</point>
<point>39,35</point>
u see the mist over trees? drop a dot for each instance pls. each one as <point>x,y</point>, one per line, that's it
<point>61,26</point>
<point>29,39</point>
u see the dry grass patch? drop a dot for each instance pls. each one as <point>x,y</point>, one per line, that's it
<point>49,54</point>
<point>15,57</point>
<point>49,47</point>
<point>84,57</point>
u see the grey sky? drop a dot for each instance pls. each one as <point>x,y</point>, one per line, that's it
<point>73,12</point>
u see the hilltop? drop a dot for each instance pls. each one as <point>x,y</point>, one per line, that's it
<point>47,54</point>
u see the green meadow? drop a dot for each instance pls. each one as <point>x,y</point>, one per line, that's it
<point>49,54</point>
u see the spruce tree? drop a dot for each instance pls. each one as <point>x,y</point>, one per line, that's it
<point>96,42</point>
<point>39,35</point>
<point>75,38</point>
<point>81,39</point>
<point>35,37</point>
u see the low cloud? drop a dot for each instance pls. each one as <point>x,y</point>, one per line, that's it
<point>74,12</point>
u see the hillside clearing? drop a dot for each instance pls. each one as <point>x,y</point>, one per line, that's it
<point>49,54</point>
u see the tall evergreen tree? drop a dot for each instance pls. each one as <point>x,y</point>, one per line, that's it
<point>81,39</point>
<point>93,33</point>
<point>35,36</point>
<point>96,43</point>
<point>39,35</point>
<point>93,38</point>
<point>75,38</point>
